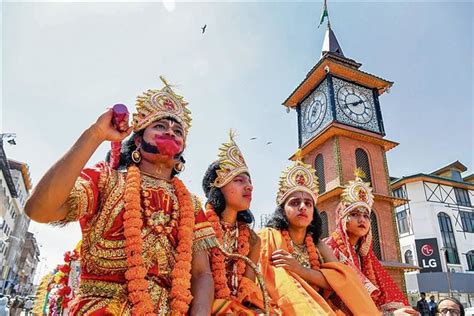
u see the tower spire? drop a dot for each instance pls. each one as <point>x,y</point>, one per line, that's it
<point>330,43</point>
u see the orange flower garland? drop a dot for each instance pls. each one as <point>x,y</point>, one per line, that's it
<point>138,295</point>
<point>221,285</point>
<point>137,285</point>
<point>181,275</point>
<point>312,252</point>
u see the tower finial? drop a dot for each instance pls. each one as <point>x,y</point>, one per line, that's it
<point>324,14</point>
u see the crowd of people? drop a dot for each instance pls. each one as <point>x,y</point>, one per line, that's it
<point>150,248</point>
<point>16,305</point>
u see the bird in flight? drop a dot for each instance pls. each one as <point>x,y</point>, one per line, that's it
<point>253,138</point>
<point>268,143</point>
<point>204,28</point>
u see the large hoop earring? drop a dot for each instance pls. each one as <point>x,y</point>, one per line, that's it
<point>179,167</point>
<point>136,156</point>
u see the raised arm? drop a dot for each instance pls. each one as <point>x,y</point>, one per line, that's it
<point>47,202</point>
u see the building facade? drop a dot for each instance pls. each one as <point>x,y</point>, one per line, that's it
<point>28,262</point>
<point>15,186</point>
<point>436,231</point>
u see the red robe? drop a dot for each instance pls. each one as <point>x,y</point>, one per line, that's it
<point>97,201</point>
<point>377,281</point>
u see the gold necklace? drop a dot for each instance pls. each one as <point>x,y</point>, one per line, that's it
<point>300,253</point>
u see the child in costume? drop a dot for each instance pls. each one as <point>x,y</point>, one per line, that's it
<point>351,243</point>
<point>228,188</point>
<point>300,270</point>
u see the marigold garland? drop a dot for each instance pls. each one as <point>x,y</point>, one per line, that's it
<point>135,275</point>
<point>312,252</point>
<point>181,275</point>
<point>221,285</point>
<point>137,284</point>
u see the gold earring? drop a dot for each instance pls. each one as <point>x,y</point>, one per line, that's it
<point>136,156</point>
<point>178,167</point>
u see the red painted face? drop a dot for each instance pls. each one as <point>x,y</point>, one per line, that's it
<point>299,209</point>
<point>167,135</point>
<point>238,192</point>
<point>358,223</point>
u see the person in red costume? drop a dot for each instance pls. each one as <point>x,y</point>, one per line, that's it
<point>351,243</point>
<point>145,237</point>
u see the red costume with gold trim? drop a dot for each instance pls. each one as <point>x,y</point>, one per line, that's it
<point>97,202</point>
<point>381,287</point>
<point>137,230</point>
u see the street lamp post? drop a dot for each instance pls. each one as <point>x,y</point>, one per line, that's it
<point>448,272</point>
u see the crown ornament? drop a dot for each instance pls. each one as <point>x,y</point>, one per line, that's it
<point>357,194</point>
<point>231,162</point>
<point>298,177</point>
<point>153,105</point>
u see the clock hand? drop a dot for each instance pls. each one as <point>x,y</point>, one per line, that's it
<point>355,103</point>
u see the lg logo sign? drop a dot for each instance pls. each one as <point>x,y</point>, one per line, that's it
<point>427,250</point>
<point>428,255</point>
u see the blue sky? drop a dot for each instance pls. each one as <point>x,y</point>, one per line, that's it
<point>63,63</point>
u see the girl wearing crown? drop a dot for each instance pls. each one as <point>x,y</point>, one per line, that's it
<point>351,243</point>
<point>298,268</point>
<point>228,188</point>
<point>144,235</point>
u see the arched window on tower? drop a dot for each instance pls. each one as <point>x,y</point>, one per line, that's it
<point>362,162</point>
<point>408,257</point>
<point>324,226</point>
<point>449,243</point>
<point>375,235</point>
<point>319,166</point>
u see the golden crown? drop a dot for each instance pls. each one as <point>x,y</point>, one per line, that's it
<point>231,162</point>
<point>357,194</point>
<point>298,177</point>
<point>153,105</point>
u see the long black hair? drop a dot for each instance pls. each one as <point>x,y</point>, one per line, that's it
<point>215,197</point>
<point>279,220</point>
<point>128,146</point>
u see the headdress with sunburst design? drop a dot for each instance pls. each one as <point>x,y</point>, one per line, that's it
<point>357,194</point>
<point>153,105</point>
<point>231,162</point>
<point>298,177</point>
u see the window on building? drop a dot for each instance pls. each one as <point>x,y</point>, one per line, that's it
<point>319,166</point>
<point>408,257</point>
<point>449,242</point>
<point>324,226</point>
<point>462,197</point>
<point>402,221</point>
<point>400,193</point>
<point>470,260</point>
<point>467,221</point>
<point>375,235</point>
<point>362,162</point>
<point>456,175</point>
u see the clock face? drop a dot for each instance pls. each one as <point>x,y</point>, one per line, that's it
<point>355,104</point>
<point>314,112</point>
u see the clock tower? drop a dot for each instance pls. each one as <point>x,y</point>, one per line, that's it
<point>340,128</point>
